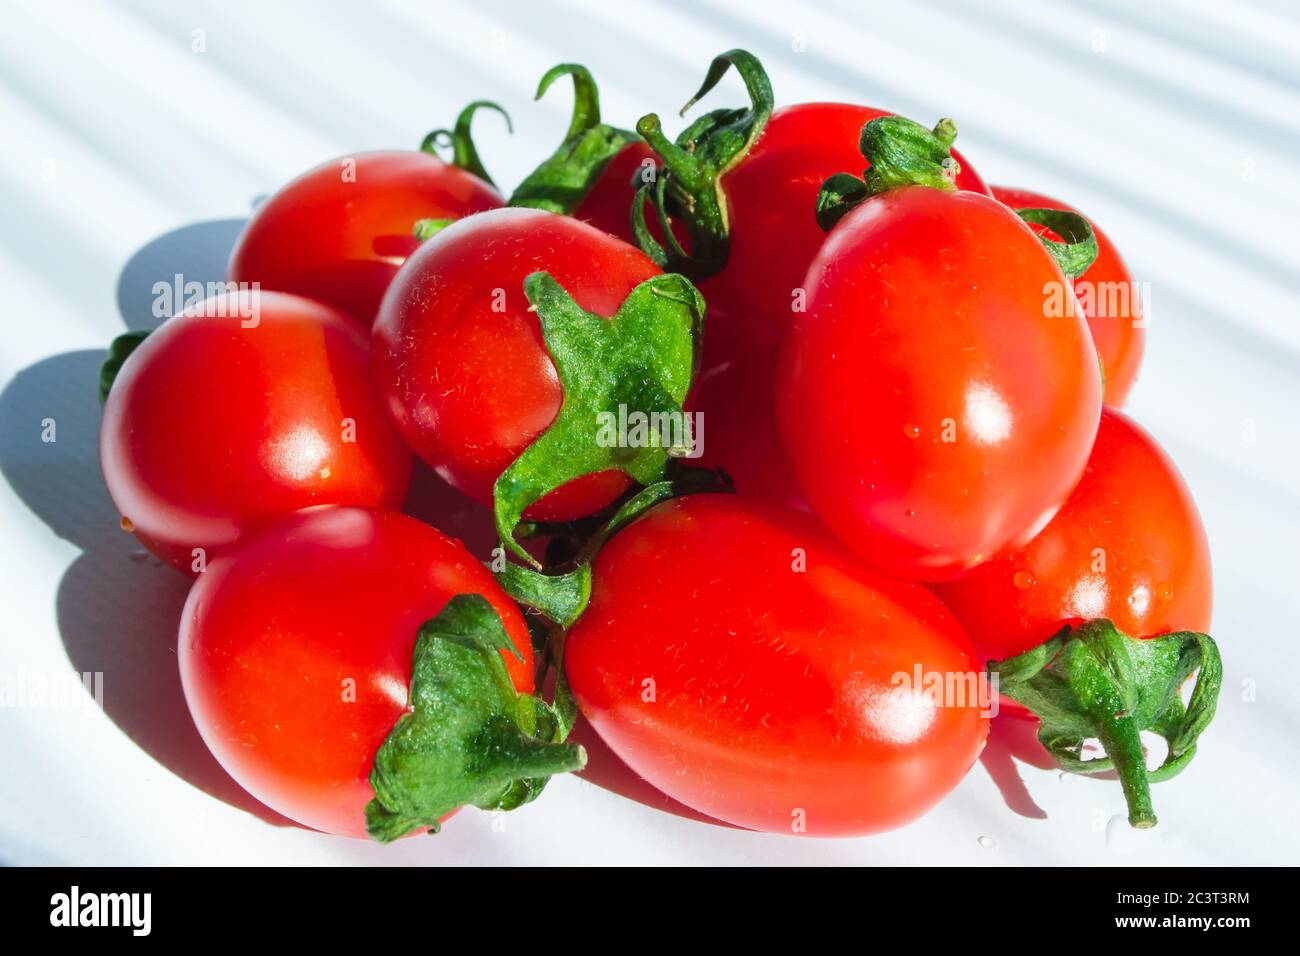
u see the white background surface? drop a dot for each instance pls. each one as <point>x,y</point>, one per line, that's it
<point>127,157</point>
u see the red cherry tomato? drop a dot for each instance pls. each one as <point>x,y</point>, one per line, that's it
<point>1107,297</point>
<point>338,233</point>
<point>223,419</point>
<point>460,356</point>
<point>933,413</point>
<point>1128,545</point>
<point>771,197</point>
<point>771,201</point>
<point>764,692</point>
<point>294,686</point>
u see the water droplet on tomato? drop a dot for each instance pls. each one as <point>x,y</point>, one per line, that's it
<point>1164,592</point>
<point>912,431</point>
<point>126,525</point>
<point>1023,580</point>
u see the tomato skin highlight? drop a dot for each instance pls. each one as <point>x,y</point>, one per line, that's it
<point>933,413</point>
<point>212,429</point>
<point>774,691</point>
<point>461,359</point>
<point>1119,342</point>
<point>1128,545</point>
<point>268,670</point>
<point>340,241</point>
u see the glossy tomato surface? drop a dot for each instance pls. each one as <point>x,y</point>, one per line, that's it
<point>1128,545</point>
<point>933,413</point>
<point>460,356</point>
<point>296,646</point>
<point>1108,298</point>
<point>771,206</point>
<point>223,419</point>
<point>338,233</point>
<point>772,197</point>
<point>737,659</point>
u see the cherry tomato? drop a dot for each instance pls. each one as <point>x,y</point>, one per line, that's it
<point>734,657</point>
<point>296,647</point>
<point>771,196</point>
<point>338,233</point>
<point>239,410</point>
<point>933,413</point>
<point>1128,545</point>
<point>1107,297</point>
<point>460,356</point>
<point>771,200</point>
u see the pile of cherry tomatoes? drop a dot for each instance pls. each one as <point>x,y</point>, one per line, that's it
<point>800,444</point>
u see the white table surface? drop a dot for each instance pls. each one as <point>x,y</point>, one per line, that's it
<point>127,156</point>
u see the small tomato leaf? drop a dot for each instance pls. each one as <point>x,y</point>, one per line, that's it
<point>464,154</point>
<point>1093,681</point>
<point>118,352</point>
<point>899,152</point>
<point>693,166</point>
<point>468,738</point>
<point>1077,250</point>
<point>564,179</point>
<point>561,597</point>
<point>638,363</point>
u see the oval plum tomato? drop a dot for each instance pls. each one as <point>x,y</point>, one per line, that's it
<point>1107,297</point>
<point>238,410</point>
<point>933,413</point>
<point>771,199</point>
<point>296,652</point>
<point>774,236</point>
<point>338,233</point>
<point>460,355</point>
<point>737,659</point>
<point>1127,545</point>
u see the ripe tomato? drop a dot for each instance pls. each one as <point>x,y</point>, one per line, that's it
<point>212,428</point>
<point>1128,545</point>
<point>933,413</point>
<point>460,356</point>
<point>294,685</point>
<point>771,199</point>
<point>1107,297</point>
<point>768,692</point>
<point>338,233</point>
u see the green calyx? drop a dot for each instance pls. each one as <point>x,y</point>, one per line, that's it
<point>1077,250</point>
<point>468,738</point>
<point>900,153</point>
<point>464,154</point>
<point>428,228</point>
<point>1091,681</point>
<point>689,187</point>
<point>561,597</point>
<point>118,351</point>
<point>562,181</point>
<point>624,380</point>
